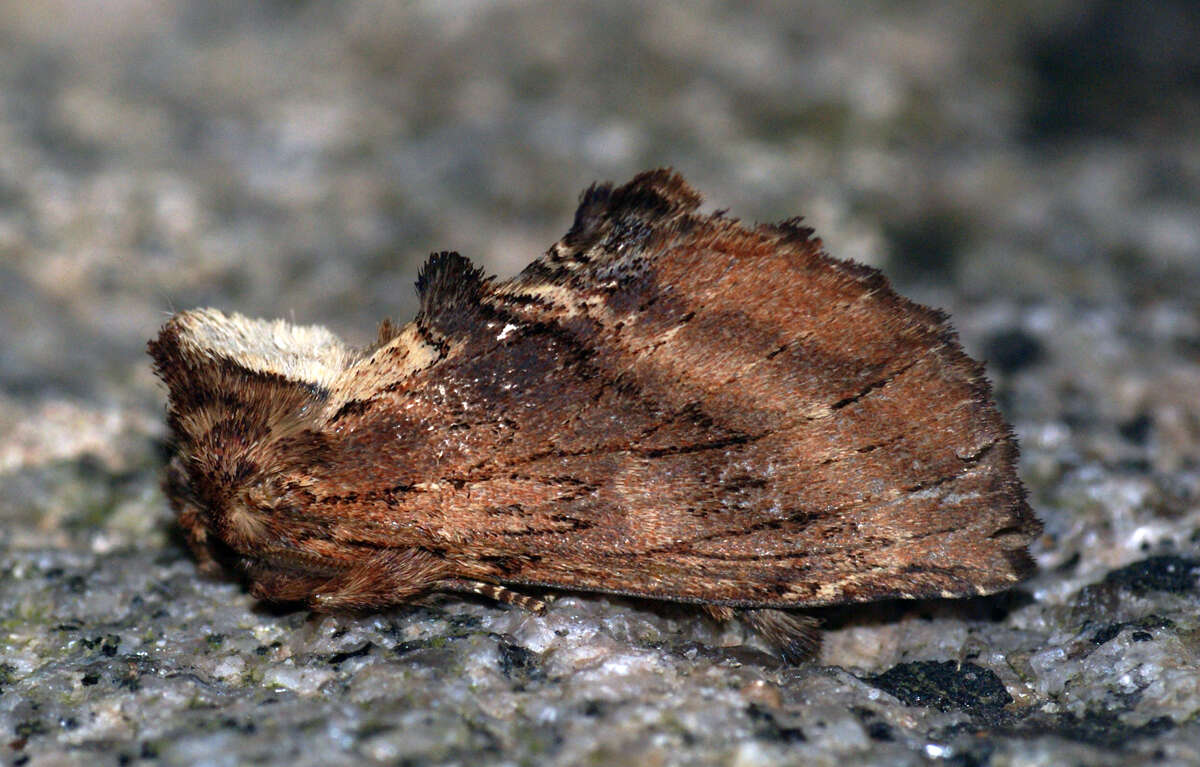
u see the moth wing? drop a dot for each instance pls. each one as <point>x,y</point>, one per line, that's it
<point>681,407</point>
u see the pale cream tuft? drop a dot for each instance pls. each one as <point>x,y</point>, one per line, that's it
<point>308,353</point>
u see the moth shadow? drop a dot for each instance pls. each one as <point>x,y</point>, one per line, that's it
<point>994,608</point>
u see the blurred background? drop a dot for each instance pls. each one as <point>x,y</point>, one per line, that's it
<point>1032,167</point>
<point>300,159</point>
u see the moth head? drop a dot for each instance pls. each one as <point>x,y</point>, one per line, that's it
<point>243,396</point>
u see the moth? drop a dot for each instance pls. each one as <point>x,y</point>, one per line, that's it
<point>666,405</point>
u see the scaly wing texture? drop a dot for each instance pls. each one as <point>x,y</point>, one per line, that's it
<point>676,406</point>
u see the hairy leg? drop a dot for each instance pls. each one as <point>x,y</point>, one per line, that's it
<point>497,592</point>
<point>795,635</point>
<point>391,577</point>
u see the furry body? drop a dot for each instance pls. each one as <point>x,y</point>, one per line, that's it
<point>665,404</point>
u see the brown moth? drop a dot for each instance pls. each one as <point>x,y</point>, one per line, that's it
<point>665,405</point>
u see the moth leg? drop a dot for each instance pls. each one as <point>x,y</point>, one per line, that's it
<point>497,592</point>
<point>720,613</point>
<point>190,519</point>
<point>795,635</point>
<point>272,586</point>
<point>196,534</point>
<point>387,578</point>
